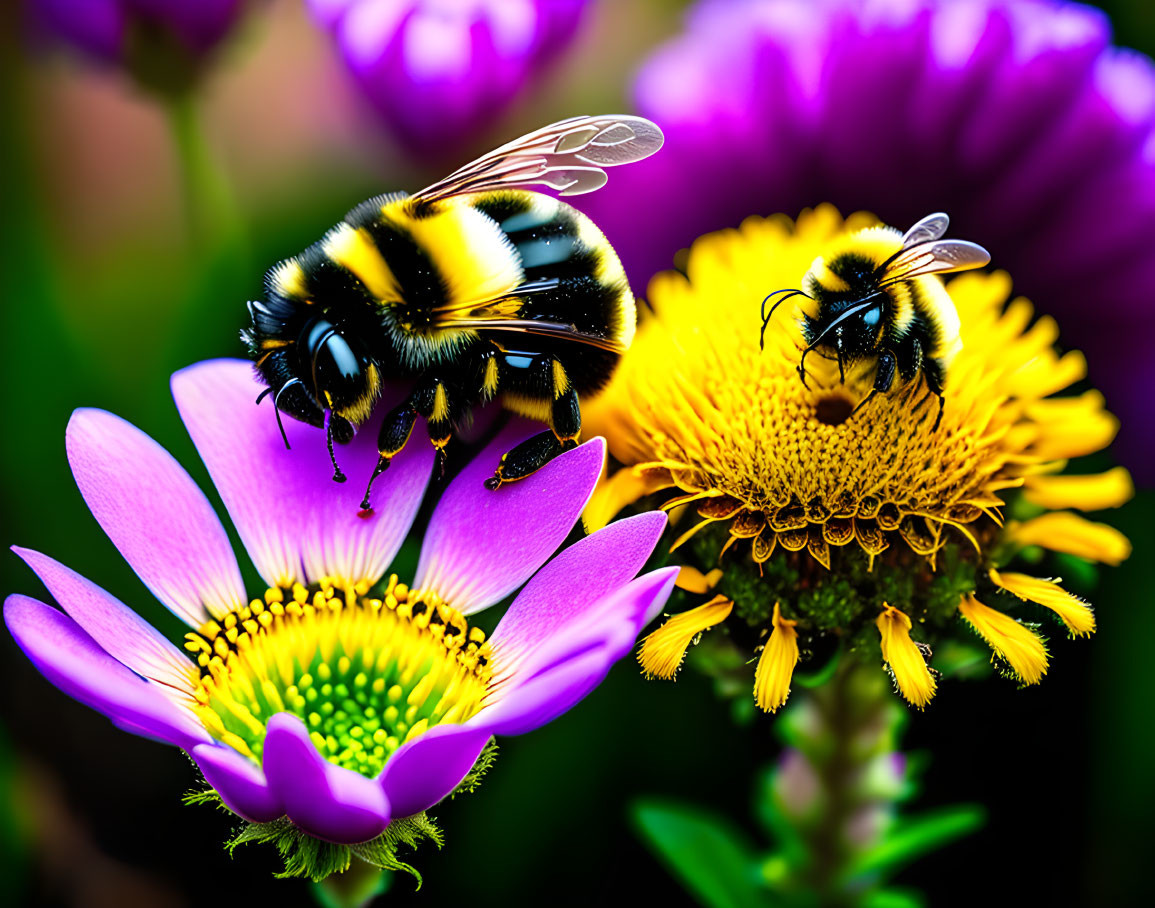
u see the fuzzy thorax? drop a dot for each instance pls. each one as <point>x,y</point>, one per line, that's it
<point>364,674</point>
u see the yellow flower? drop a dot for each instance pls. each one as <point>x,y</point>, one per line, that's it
<point>801,499</point>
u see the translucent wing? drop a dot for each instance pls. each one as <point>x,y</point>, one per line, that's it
<point>935,258</point>
<point>542,329</point>
<point>932,227</point>
<point>568,156</point>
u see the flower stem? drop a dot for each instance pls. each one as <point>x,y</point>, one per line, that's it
<point>838,783</point>
<point>355,888</point>
<point>208,202</point>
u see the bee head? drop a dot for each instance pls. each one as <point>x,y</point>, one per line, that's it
<point>342,378</point>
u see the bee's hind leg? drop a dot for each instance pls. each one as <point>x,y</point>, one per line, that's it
<point>566,421</point>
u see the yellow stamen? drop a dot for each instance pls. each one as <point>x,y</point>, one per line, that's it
<point>662,651</point>
<point>905,657</point>
<point>1062,531</point>
<point>1086,493</point>
<point>1020,647</point>
<point>776,664</point>
<point>345,664</point>
<point>1076,614</point>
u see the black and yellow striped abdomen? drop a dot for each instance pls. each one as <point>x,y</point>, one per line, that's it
<point>405,284</point>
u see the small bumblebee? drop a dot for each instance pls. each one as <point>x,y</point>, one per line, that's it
<point>877,297</point>
<point>474,288</point>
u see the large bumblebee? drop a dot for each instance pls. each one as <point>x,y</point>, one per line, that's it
<point>475,288</point>
<point>878,298</point>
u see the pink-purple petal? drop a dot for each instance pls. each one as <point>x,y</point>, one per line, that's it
<point>545,697</point>
<point>72,661</point>
<point>481,545</point>
<point>155,515</point>
<point>239,781</point>
<point>427,769</point>
<point>326,801</point>
<point>560,673</point>
<point>563,591</point>
<point>116,628</point>
<point>296,523</point>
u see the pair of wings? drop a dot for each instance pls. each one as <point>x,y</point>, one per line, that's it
<point>569,156</point>
<point>924,251</point>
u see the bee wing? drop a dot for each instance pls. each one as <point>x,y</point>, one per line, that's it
<point>932,227</point>
<point>935,258</point>
<point>568,156</point>
<point>542,329</point>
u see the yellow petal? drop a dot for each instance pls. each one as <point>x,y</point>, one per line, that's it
<point>776,664</point>
<point>692,580</point>
<point>1076,614</point>
<point>1062,531</point>
<point>625,487</point>
<point>663,650</point>
<point>905,658</point>
<point>1020,647</point>
<point>1072,426</point>
<point>1087,493</point>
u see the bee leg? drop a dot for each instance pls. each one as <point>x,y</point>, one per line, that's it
<point>527,458</point>
<point>434,403</point>
<point>934,381</point>
<point>566,424</point>
<point>883,378</point>
<point>338,429</point>
<point>391,438</point>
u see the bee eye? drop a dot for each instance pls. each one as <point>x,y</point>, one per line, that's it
<point>337,369</point>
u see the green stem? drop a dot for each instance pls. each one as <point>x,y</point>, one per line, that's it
<point>210,209</point>
<point>844,734</point>
<point>355,888</point>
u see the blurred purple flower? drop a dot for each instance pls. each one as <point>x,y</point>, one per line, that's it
<point>1017,117</point>
<point>104,29</point>
<point>322,701</point>
<point>441,70</point>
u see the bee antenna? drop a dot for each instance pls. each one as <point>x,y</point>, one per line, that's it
<point>766,318</point>
<point>338,476</point>
<point>277,408</point>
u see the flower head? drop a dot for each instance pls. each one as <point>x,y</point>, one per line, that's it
<point>440,70</point>
<point>159,40</point>
<point>879,526</point>
<point>1017,117</point>
<point>338,703</point>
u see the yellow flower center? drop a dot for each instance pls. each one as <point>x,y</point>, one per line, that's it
<point>364,674</point>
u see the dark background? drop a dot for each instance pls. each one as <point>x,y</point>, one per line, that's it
<point>106,291</point>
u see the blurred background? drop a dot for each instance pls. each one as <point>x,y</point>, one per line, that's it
<point>134,229</point>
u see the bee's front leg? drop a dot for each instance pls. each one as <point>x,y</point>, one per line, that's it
<point>565,426</point>
<point>431,399</point>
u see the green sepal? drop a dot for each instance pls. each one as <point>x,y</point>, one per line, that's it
<point>317,860</point>
<point>912,837</point>
<point>709,856</point>
<point>481,766</point>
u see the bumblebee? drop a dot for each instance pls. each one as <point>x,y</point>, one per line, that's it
<point>877,297</point>
<point>474,289</point>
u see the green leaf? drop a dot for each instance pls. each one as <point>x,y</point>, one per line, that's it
<point>710,857</point>
<point>893,898</point>
<point>912,837</point>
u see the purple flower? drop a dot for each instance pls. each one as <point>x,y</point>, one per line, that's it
<point>136,33</point>
<point>441,70</point>
<point>1017,117</point>
<point>338,704</point>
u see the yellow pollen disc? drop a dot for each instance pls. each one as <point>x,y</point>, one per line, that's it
<point>364,674</point>
<point>788,468</point>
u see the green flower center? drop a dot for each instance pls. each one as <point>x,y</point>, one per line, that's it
<point>365,675</point>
